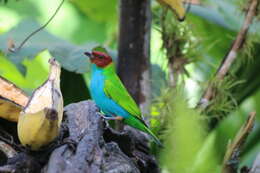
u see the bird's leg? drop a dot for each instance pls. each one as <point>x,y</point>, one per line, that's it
<point>106,117</point>
<point>112,118</point>
<point>119,118</point>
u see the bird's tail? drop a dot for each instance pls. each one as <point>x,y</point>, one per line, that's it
<point>155,138</point>
<point>140,125</point>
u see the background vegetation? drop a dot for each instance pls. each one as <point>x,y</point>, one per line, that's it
<point>197,47</point>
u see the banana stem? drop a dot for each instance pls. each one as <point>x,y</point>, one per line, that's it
<point>54,70</point>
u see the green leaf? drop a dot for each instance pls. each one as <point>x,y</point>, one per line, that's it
<point>210,14</point>
<point>73,87</point>
<point>249,157</point>
<point>102,11</point>
<point>224,13</point>
<point>10,72</point>
<point>36,72</point>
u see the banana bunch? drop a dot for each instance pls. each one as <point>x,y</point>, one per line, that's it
<point>176,6</point>
<point>12,100</point>
<point>40,120</point>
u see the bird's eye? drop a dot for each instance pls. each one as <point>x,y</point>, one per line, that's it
<point>100,56</point>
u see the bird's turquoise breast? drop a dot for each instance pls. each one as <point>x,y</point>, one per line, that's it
<point>97,87</point>
<point>106,104</point>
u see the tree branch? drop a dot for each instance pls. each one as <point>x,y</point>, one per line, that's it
<point>173,44</point>
<point>232,54</point>
<point>230,163</point>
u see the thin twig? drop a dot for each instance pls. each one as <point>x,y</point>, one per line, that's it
<point>231,158</point>
<point>8,169</point>
<point>3,137</point>
<point>37,30</point>
<point>7,150</point>
<point>232,54</point>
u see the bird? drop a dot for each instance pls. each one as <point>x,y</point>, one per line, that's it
<point>110,95</point>
<point>40,120</point>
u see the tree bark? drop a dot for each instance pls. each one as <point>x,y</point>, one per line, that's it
<point>91,147</point>
<point>134,50</point>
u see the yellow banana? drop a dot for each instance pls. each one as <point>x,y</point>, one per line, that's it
<point>40,120</point>
<point>176,6</point>
<point>12,100</point>
<point>9,110</point>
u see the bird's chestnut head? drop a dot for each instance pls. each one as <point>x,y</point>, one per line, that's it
<point>99,56</point>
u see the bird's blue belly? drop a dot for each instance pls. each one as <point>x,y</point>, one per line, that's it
<point>106,104</point>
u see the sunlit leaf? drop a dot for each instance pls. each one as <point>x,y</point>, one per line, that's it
<point>101,11</point>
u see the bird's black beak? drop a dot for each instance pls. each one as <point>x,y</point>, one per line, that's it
<point>88,54</point>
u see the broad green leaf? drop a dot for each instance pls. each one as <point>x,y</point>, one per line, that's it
<point>36,72</point>
<point>227,14</point>
<point>10,72</point>
<point>248,158</point>
<point>73,87</point>
<point>79,28</point>
<point>69,55</point>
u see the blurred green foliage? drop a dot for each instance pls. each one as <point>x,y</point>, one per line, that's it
<point>71,26</point>
<point>80,25</point>
<point>184,136</point>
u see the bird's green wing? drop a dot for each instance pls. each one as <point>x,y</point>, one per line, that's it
<point>117,92</point>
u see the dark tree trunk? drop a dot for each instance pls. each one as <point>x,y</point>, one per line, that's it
<point>134,49</point>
